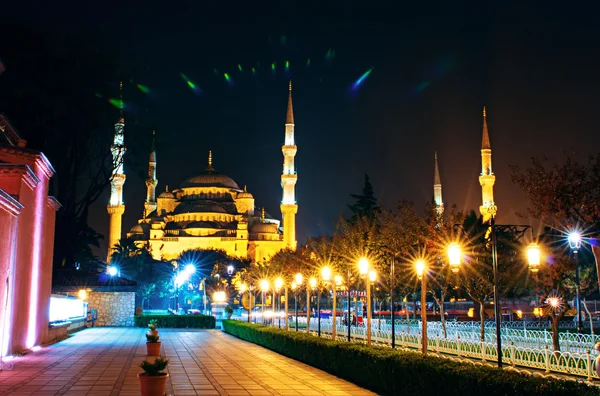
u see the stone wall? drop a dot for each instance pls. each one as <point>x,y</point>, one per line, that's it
<point>114,308</point>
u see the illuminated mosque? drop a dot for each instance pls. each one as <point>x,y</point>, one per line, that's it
<point>208,211</point>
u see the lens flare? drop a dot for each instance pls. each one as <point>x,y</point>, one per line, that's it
<point>361,79</point>
<point>330,54</point>
<point>228,78</point>
<point>273,66</point>
<point>308,62</point>
<point>118,103</point>
<point>253,70</point>
<point>239,67</point>
<point>190,83</point>
<point>99,95</point>
<point>143,88</point>
<point>287,65</point>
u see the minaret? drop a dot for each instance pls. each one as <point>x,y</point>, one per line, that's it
<point>289,208</point>
<point>487,178</point>
<point>151,182</point>
<point>115,206</point>
<point>437,189</point>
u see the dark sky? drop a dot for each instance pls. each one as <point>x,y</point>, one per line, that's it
<point>434,68</point>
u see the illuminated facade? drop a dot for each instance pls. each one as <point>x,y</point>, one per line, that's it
<point>487,177</point>
<point>437,188</point>
<point>115,207</point>
<point>210,211</point>
<point>27,218</point>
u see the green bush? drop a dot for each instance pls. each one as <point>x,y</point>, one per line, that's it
<point>394,372</point>
<point>176,321</point>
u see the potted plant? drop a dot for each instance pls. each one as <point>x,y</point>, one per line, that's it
<point>228,311</point>
<point>153,345</point>
<point>153,381</point>
<point>152,327</point>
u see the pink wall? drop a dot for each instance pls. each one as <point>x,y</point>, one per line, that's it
<point>31,271</point>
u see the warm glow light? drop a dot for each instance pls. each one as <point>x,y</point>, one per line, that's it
<point>299,279</point>
<point>312,282</point>
<point>363,266</point>
<point>219,296</point>
<point>264,285</point>
<point>326,273</point>
<point>243,287</point>
<point>36,348</point>
<point>278,283</point>
<point>82,294</point>
<point>454,254</point>
<point>554,302</point>
<point>337,279</point>
<point>230,269</point>
<point>294,285</point>
<point>420,267</point>
<point>112,270</point>
<point>372,276</point>
<point>533,256</point>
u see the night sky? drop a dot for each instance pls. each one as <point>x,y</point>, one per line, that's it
<point>433,70</point>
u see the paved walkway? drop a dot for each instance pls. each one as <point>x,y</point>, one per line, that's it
<point>104,361</point>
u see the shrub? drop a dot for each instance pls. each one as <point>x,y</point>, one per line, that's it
<point>393,372</point>
<point>176,321</point>
<point>156,368</point>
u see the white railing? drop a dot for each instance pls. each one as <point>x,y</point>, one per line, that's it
<point>523,348</point>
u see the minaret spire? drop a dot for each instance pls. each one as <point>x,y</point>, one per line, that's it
<point>289,207</point>
<point>151,182</point>
<point>437,188</point>
<point>487,177</point>
<point>115,207</point>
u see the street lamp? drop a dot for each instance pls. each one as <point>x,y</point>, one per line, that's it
<point>278,285</point>
<point>294,287</point>
<point>264,287</point>
<point>243,289</point>
<point>533,257</point>
<point>326,275</point>
<point>337,280</point>
<point>363,269</point>
<point>454,256</point>
<point>421,269</point>
<point>190,268</point>
<point>299,280</point>
<point>230,270</point>
<point>575,244</point>
<point>112,270</point>
<point>312,282</point>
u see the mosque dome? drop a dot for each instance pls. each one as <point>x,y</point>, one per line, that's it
<point>139,229</point>
<point>245,194</point>
<point>210,179</point>
<point>264,228</point>
<point>166,194</point>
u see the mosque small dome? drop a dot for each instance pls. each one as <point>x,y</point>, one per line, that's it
<point>245,194</point>
<point>264,228</point>
<point>166,194</point>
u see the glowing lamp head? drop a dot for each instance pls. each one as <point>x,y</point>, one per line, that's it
<point>420,267</point>
<point>533,257</point>
<point>264,285</point>
<point>326,273</point>
<point>278,283</point>
<point>337,279</point>
<point>230,269</point>
<point>574,241</point>
<point>294,285</point>
<point>112,270</point>
<point>190,268</point>
<point>299,279</point>
<point>82,294</point>
<point>454,256</point>
<point>219,296</point>
<point>372,276</point>
<point>363,266</point>
<point>313,282</point>
<point>243,288</point>
<point>554,302</point>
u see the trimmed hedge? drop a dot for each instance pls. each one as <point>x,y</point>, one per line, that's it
<point>394,372</point>
<point>176,321</point>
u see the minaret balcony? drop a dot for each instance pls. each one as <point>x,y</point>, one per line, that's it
<point>289,150</point>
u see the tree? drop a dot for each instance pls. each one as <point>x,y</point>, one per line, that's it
<point>366,204</point>
<point>564,196</point>
<point>145,291</point>
<point>476,276</point>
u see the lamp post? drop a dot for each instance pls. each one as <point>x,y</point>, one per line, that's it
<point>243,289</point>
<point>307,307</point>
<point>392,275</point>
<point>298,279</point>
<point>278,285</point>
<point>575,245</point>
<point>264,287</point>
<point>326,275</point>
<point>348,300</point>
<point>422,276</point>
<point>363,268</point>
<point>337,280</point>
<point>312,283</point>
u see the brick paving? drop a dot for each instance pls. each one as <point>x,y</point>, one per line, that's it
<point>104,362</point>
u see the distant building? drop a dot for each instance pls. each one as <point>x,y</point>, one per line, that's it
<point>27,218</point>
<point>208,211</point>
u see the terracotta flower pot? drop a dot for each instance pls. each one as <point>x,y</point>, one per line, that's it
<point>153,332</point>
<point>153,385</point>
<point>153,348</point>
